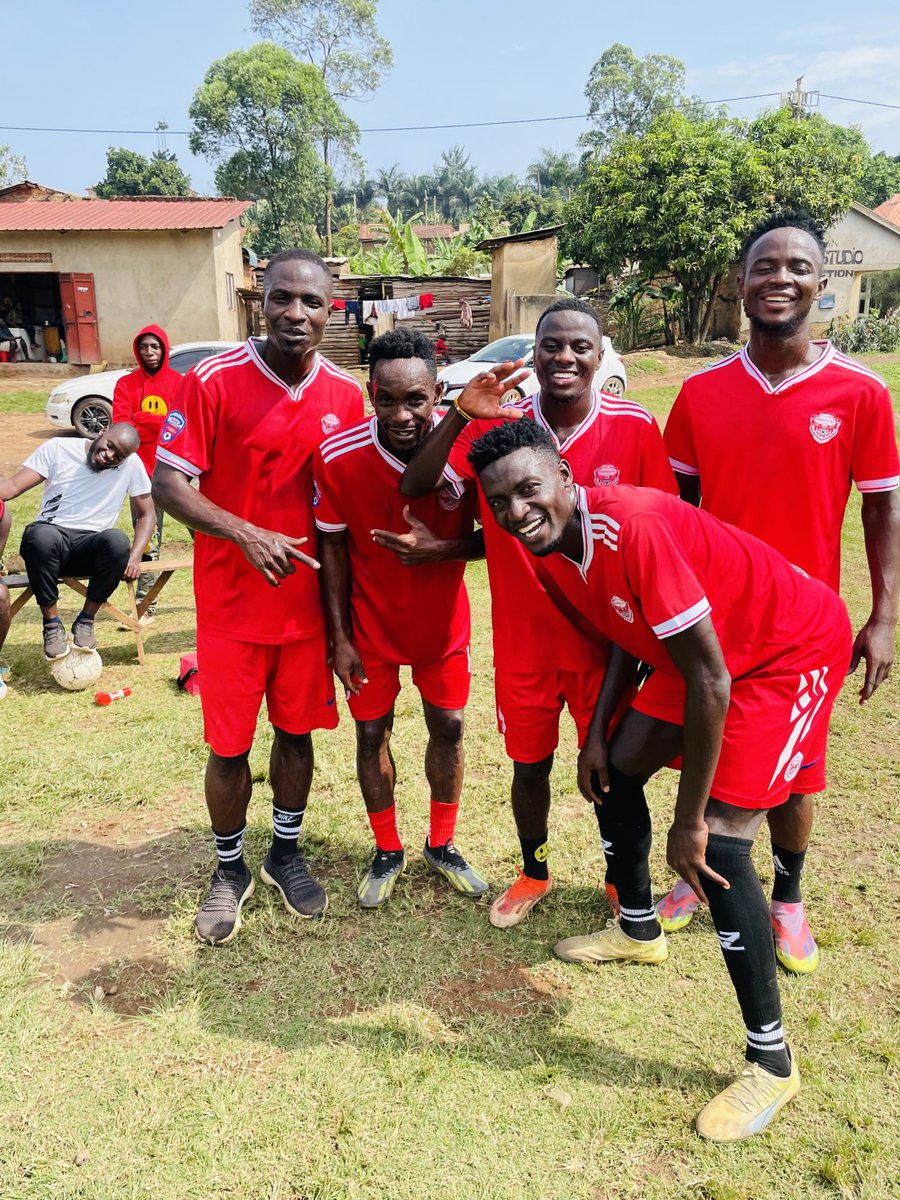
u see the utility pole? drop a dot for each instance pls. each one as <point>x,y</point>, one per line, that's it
<point>161,127</point>
<point>798,101</point>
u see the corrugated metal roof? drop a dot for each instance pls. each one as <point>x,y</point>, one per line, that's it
<point>120,214</point>
<point>890,210</point>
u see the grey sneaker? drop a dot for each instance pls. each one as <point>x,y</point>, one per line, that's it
<point>448,861</point>
<point>55,644</point>
<point>219,917</point>
<point>378,885</point>
<point>83,634</point>
<point>303,896</point>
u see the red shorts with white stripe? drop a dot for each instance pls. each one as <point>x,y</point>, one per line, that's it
<point>443,684</point>
<point>776,730</point>
<point>529,704</point>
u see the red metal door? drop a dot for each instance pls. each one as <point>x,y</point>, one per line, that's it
<point>80,317</point>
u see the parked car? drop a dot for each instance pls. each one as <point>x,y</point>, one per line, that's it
<point>610,377</point>
<point>85,403</point>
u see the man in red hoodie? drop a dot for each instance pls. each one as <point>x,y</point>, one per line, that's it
<point>142,399</point>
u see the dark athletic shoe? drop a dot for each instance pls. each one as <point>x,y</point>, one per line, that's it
<point>219,917</point>
<point>83,635</point>
<point>378,885</point>
<point>448,861</point>
<point>55,644</point>
<point>302,895</point>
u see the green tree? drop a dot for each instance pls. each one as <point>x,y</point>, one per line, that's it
<point>677,200</point>
<point>625,93</point>
<point>880,179</point>
<point>12,167</point>
<point>259,114</point>
<point>515,208</point>
<point>340,39</point>
<point>131,174</point>
<point>555,173</point>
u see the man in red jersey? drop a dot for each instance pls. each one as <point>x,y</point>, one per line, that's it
<point>142,398</point>
<point>541,661</point>
<point>382,617</point>
<point>246,424</point>
<point>803,421</point>
<point>749,653</point>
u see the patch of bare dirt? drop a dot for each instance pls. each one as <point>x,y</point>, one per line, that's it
<point>485,987</point>
<point>20,435</point>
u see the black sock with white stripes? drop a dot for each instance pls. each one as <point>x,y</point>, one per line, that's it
<point>741,917</point>
<point>230,849</point>
<point>286,824</point>
<point>624,821</point>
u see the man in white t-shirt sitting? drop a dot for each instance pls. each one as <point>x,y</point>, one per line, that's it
<point>85,484</point>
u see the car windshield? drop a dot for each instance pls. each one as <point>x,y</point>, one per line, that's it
<point>506,349</point>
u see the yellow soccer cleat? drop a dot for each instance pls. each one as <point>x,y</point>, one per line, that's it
<point>748,1105</point>
<point>611,945</point>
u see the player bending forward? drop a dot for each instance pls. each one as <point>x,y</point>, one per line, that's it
<point>750,654</point>
<point>383,617</point>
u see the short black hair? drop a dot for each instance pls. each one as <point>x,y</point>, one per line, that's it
<point>571,304</point>
<point>787,219</point>
<point>505,439</point>
<point>296,254</point>
<point>402,343</point>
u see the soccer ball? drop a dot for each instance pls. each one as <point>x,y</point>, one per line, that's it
<point>78,670</point>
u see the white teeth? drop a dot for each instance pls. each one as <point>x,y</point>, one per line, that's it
<point>531,527</point>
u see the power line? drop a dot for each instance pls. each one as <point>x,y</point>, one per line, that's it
<point>428,128</point>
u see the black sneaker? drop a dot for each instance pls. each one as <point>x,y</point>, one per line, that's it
<point>302,895</point>
<point>55,644</point>
<point>83,634</point>
<point>448,861</point>
<point>219,917</point>
<point>378,885</point>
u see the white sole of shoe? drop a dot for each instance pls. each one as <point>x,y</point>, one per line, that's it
<point>237,924</point>
<point>272,882</point>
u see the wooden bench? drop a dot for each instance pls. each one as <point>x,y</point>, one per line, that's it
<point>165,567</point>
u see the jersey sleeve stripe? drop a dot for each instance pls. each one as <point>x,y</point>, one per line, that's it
<point>682,467</point>
<point>347,448</point>
<point>878,485</point>
<point>182,464</point>
<point>684,620</point>
<point>328,527</point>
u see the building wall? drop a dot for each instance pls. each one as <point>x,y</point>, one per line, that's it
<point>171,278</point>
<point>521,269</point>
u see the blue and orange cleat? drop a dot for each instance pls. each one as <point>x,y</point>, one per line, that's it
<point>795,946</point>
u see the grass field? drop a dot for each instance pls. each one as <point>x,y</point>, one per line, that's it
<point>415,1052</point>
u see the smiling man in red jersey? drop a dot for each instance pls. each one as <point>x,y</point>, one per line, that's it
<point>246,424</point>
<point>383,617</point>
<point>542,662</point>
<point>806,421</point>
<point>749,653</point>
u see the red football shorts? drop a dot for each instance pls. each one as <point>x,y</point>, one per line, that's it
<point>294,677</point>
<point>776,729</point>
<point>444,684</point>
<point>529,704</point>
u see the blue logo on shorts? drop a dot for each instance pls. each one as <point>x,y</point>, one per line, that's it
<point>174,424</point>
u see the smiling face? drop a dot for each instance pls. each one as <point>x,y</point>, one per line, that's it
<point>532,497</point>
<point>781,279</point>
<point>112,447</point>
<point>403,392</point>
<point>567,354</point>
<point>296,305</point>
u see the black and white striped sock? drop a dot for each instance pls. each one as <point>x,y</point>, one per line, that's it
<point>230,849</point>
<point>286,824</point>
<point>639,923</point>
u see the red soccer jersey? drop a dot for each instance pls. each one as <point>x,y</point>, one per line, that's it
<point>654,566</point>
<point>250,439</point>
<point>778,461</point>
<point>408,615</point>
<point>618,442</point>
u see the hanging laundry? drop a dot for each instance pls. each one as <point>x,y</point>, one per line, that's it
<point>369,311</point>
<point>353,308</point>
<point>338,304</point>
<point>413,303</point>
<point>465,314</point>
<point>426,300</point>
<point>405,310</point>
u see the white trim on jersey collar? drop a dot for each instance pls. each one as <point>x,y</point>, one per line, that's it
<point>388,457</point>
<point>259,362</point>
<point>576,433</point>
<point>814,368</point>
<point>587,537</point>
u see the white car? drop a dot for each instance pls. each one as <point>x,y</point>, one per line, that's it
<point>85,403</point>
<point>610,376</point>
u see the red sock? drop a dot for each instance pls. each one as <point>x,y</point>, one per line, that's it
<point>384,826</point>
<point>443,823</point>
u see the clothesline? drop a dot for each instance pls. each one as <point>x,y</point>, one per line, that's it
<point>404,308</point>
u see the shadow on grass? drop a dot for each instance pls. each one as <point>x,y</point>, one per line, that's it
<point>426,973</point>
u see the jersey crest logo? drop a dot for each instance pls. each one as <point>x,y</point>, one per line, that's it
<point>823,427</point>
<point>174,424</point>
<point>605,475</point>
<point>449,498</point>
<point>317,495</point>
<point>623,608</point>
<point>793,767</point>
<point>330,424</point>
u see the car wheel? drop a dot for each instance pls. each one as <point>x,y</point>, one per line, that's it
<point>511,396</point>
<point>614,386</point>
<point>92,416</point>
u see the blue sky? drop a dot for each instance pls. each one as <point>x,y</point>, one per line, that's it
<point>112,66</point>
